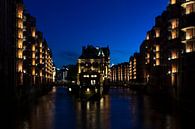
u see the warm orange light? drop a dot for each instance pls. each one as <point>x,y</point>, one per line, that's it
<point>174,23</point>
<point>157,48</point>
<point>33,47</point>
<point>189,8</point>
<point>174,69</point>
<point>174,55</point>
<point>20,13</point>
<point>190,33</point>
<point>20,54</point>
<point>157,55</point>
<point>157,62</point>
<point>157,33</point>
<point>33,31</point>
<point>33,62</point>
<point>33,71</point>
<point>174,34</point>
<point>20,67</point>
<point>20,24</point>
<point>172,1</point>
<point>33,55</point>
<point>41,74</point>
<point>20,43</point>
<point>20,34</point>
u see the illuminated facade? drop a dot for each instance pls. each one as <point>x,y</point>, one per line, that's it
<point>134,68</point>
<point>94,59</point>
<point>162,50</point>
<point>188,62</point>
<point>34,58</point>
<point>120,72</point>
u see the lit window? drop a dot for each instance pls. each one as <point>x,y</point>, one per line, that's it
<point>33,72</point>
<point>85,76</point>
<point>33,55</point>
<point>20,43</point>
<point>157,55</point>
<point>174,34</point>
<point>20,24</point>
<point>157,31</point>
<point>147,37</point>
<point>174,23</point>
<point>188,48</point>
<point>20,13</point>
<point>93,82</point>
<point>20,54</point>
<point>33,47</point>
<point>33,32</point>
<point>190,33</point>
<point>172,1</point>
<point>33,62</point>
<point>93,76</point>
<point>157,48</point>
<point>174,69</point>
<point>20,68</point>
<point>20,34</point>
<point>157,62</point>
<point>189,8</point>
<point>174,54</point>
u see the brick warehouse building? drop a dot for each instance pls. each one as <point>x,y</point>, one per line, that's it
<point>26,60</point>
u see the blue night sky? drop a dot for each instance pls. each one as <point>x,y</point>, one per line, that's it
<point>70,24</point>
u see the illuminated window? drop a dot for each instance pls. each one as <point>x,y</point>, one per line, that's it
<point>20,24</point>
<point>33,62</point>
<point>158,62</point>
<point>41,74</point>
<point>174,69</point>
<point>147,37</point>
<point>174,34</point>
<point>189,48</point>
<point>33,32</point>
<point>148,55</point>
<point>174,54</point>
<point>94,76</point>
<point>157,48</point>
<point>190,33</point>
<point>93,82</point>
<point>157,31</point>
<point>86,76</point>
<point>174,23</point>
<point>33,71</point>
<point>157,55</point>
<point>190,8</point>
<point>33,47</point>
<point>20,34</point>
<point>20,67</point>
<point>33,55</point>
<point>20,13</point>
<point>172,1</point>
<point>20,55</point>
<point>20,43</point>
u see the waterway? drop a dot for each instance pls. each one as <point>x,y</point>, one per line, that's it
<point>120,109</point>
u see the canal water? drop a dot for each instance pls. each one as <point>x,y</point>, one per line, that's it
<point>120,109</point>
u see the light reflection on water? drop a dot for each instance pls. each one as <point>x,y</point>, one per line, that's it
<point>121,109</point>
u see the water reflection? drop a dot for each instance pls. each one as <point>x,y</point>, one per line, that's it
<point>121,109</point>
<point>93,115</point>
